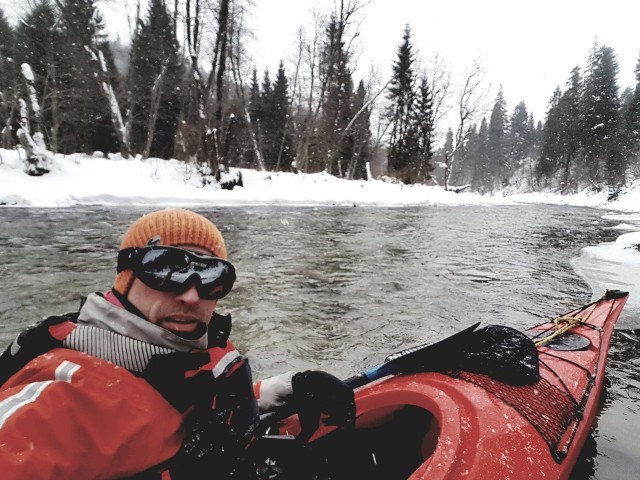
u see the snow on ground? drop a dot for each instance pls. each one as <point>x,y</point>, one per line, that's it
<point>91,180</point>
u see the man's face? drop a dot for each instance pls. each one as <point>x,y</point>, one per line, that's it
<point>183,313</point>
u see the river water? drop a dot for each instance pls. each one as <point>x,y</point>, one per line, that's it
<point>340,288</point>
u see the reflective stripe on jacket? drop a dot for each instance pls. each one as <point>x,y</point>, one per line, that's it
<point>68,415</point>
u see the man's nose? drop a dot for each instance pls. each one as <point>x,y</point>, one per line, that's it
<point>190,295</point>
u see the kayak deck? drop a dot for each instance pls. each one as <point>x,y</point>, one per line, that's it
<point>467,425</point>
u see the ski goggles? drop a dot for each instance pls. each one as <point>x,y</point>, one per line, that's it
<point>173,269</point>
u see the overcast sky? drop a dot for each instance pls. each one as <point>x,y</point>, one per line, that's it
<point>529,47</point>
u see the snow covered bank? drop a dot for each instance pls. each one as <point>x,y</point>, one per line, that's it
<point>84,180</point>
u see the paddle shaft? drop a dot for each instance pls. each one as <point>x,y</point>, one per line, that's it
<point>405,361</point>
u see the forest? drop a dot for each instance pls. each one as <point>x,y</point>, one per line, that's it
<point>190,91</point>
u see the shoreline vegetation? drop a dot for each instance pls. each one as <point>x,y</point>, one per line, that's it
<point>66,87</point>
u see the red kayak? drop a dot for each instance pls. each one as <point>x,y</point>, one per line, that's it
<point>463,425</point>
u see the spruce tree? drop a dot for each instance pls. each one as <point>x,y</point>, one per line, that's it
<point>8,79</point>
<point>267,135</point>
<point>480,178</point>
<point>255,105</point>
<point>154,78</point>
<point>280,116</point>
<point>497,142</point>
<point>552,143</point>
<point>570,119</point>
<point>632,121</point>
<point>423,125</point>
<point>402,143</point>
<point>533,140</point>
<point>599,107</point>
<point>448,142</point>
<point>361,135</point>
<point>7,61</point>
<point>38,44</point>
<point>518,138</point>
<point>85,120</point>
<point>256,109</point>
<point>336,144</point>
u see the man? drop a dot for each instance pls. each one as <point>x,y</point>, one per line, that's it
<point>142,382</point>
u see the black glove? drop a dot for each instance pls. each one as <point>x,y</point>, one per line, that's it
<point>316,392</point>
<point>216,440</point>
<point>166,373</point>
<point>211,448</point>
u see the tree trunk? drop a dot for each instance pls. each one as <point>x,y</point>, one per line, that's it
<point>101,75</point>
<point>223,26</point>
<point>55,110</point>
<point>156,94</point>
<point>446,171</point>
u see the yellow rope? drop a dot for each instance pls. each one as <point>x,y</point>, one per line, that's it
<point>561,325</point>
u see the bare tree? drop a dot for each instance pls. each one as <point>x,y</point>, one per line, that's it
<point>440,86</point>
<point>38,159</point>
<point>470,106</point>
<point>101,74</point>
<point>294,88</point>
<point>236,60</point>
<point>156,93</point>
<point>308,101</point>
<point>205,110</point>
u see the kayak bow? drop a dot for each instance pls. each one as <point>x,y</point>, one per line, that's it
<point>462,424</point>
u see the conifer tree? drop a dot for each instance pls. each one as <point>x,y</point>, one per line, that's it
<point>599,106</point>
<point>280,116</point>
<point>267,121</point>
<point>518,138</point>
<point>255,104</point>
<point>256,108</point>
<point>570,119</point>
<point>402,143</point>
<point>88,121</point>
<point>8,78</point>
<point>632,121</point>
<point>497,140</point>
<point>336,106</point>
<point>534,138</point>
<point>480,178</point>
<point>448,142</point>
<point>552,149</point>
<point>361,136</point>
<point>38,44</point>
<point>153,83</point>
<point>423,125</point>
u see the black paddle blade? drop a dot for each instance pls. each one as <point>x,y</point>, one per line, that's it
<point>501,352</point>
<point>432,357</point>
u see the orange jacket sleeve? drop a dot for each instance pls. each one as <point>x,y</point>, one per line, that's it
<point>68,415</point>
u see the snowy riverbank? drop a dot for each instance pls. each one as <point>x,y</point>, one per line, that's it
<point>83,180</point>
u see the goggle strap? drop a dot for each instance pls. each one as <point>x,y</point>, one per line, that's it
<point>125,258</point>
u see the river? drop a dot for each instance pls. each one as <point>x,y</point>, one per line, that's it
<point>339,288</point>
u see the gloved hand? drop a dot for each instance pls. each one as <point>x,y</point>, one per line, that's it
<point>166,373</point>
<point>316,392</point>
<point>211,448</point>
<point>217,433</point>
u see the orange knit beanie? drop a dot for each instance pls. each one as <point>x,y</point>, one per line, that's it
<point>173,227</point>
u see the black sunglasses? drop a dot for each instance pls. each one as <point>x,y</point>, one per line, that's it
<point>173,269</point>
